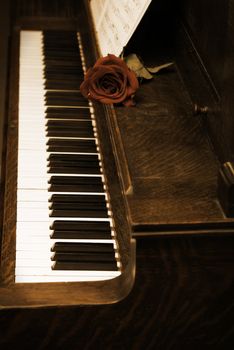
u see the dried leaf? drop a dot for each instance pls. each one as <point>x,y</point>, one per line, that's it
<point>134,63</point>
<point>156,69</point>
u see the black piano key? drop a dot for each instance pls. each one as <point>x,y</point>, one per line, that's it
<point>63,84</point>
<point>80,234</point>
<point>91,159</point>
<point>84,256</point>
<point>61,54</point>
<point>60,76</point>
<point>68,113</point>
<point>81,128</point>
<point>73,71</point>
<point>69,69</point>
<point>75,188</point>
<point>85,266</point>
<point>65,163</point>
<point>55,132</point>
<point>67,44</point>
<point>66,100</point>
<point>84,213</point>
<point>56,61</point>
<point>75,184</point>
<point>70,163</point>
<point>61,94</point>
<point>63,145</point>
<point>75,180</point>
<point>67,124</point>
<point>75,124</point>
<point>73,170</point>
<point>82,205</point>
<point>62,50</point>
<point>73,199</point>
<point>66,247</point>
<point>64,95</point>
<point>85,226</point>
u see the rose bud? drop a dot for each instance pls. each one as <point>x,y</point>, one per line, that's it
<point>110,81</point>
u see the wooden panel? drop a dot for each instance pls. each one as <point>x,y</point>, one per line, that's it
<point>211,29</point>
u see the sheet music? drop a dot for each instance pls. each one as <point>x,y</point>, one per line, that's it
<point>115,21</point>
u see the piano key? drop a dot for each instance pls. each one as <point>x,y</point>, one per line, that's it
<point>60,145</point>
<point>81,225</point>
<point>43,214</point>
<point>79,212</point>
<point>64,84</point>
<point>47,271</point>
<point>83,256</point>
<point>42,195</point>
<point>78,205</point>
<point>76,201</point>
<point>82,247</point>
<point>70,113</point>
<point>83,276</point>
<point>81,234</point>
<point>69,79</point>
<point>67,124</point>
<point>89,265</point>
<point>73,170</point>
<point>66,157</point>
<point>28,274</point>
<point>99,200</point>
<point>69,132</point>
<point>70,184</point>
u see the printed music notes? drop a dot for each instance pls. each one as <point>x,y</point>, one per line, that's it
<point>115,22</point>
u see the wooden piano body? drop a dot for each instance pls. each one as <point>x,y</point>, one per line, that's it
<point>162,161</point>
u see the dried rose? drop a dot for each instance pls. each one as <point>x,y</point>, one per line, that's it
<point>110,81</point>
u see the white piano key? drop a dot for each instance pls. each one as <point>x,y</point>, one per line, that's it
<point>28,214</point>
<point>32,226</point>
<point>42,195</point>
<point>38,244</point>
<point>31,204</point>
<point>48,272</point>
<point>66,276</point>
<point>30,255</point>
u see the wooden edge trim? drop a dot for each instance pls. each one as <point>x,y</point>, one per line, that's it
<point>26,295</point>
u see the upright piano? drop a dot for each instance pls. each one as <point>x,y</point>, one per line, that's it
<point>117,223</point>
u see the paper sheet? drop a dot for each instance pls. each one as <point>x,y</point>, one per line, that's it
<point>115,21</point>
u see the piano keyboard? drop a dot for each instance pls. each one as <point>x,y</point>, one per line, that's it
<point>64,229</point>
